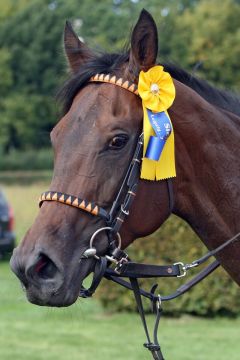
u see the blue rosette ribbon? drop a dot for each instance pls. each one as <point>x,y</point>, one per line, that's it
<point>162,126</point>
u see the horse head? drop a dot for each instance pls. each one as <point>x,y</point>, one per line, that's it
<point>93,145</point>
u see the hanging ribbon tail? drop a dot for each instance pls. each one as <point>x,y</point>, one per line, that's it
<point>159,155</point>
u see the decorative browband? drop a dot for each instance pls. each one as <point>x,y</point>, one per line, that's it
<point>74,201</point>
<point>112,79</point>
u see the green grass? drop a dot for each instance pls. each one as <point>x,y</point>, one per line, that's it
<point>84,331</point>
<point>24,199</point>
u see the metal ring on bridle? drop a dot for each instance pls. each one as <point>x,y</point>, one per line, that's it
<point>92,239</point>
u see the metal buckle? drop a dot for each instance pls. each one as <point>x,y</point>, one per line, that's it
<point>159,302</point>
<point>125,212</point>
<point>192,265</point>
<point>183,269</point>
<point>120,263</point>
<point>111,259</point>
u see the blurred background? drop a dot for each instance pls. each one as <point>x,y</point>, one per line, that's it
<point>201,36</point>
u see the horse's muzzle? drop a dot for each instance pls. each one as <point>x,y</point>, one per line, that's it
<point>39,275</point>
<point>47,281</point>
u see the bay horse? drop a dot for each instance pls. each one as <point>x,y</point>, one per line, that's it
<point>93,144</point>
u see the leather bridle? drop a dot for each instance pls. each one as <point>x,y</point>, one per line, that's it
<point>123,266</point>
<point>120,209</point>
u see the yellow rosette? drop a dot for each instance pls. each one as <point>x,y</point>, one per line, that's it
<point>157,92</point>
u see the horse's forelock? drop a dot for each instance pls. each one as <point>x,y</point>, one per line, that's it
<point>104,63</point>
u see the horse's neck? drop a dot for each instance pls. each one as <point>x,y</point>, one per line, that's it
<point>207,187</point>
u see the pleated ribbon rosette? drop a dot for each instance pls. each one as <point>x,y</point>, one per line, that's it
<point>157,91</point>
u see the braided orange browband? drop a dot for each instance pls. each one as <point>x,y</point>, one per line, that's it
<point>74,201</point>
<point>112,79</point>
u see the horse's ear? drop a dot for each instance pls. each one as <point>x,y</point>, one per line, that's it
<point>144,44</point>
<point>76,51</point>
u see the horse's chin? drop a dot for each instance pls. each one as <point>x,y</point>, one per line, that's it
<point>60,299</point>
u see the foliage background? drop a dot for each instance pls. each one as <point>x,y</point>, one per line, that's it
<point>201,36</point>
<point>175,241</point>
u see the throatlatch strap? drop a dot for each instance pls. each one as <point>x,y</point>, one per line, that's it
<point>170,194</point>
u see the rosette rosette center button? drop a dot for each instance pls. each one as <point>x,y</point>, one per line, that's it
<point>154,89</point>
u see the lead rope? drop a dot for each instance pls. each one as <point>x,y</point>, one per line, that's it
<point>153,347</point>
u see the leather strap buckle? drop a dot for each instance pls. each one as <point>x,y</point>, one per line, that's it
<point>119,266</point>
<point>182,268</point>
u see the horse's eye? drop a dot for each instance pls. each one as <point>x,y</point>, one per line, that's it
<point>118,142</point>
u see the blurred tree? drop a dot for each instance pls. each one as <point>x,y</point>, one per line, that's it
<point>208,36</point>
<point>216,295</point>
<point>32,64</point>
<point>10,7</point>
<point>6,75</point>
<point>33,61</point>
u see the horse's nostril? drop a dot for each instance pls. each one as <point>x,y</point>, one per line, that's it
<point>45,267</point>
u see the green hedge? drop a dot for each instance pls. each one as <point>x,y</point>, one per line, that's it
<point>41,159</point>
<point>216,295</point>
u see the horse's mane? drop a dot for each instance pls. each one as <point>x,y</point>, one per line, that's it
<point>111,63</point>
<point>221,98</point>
